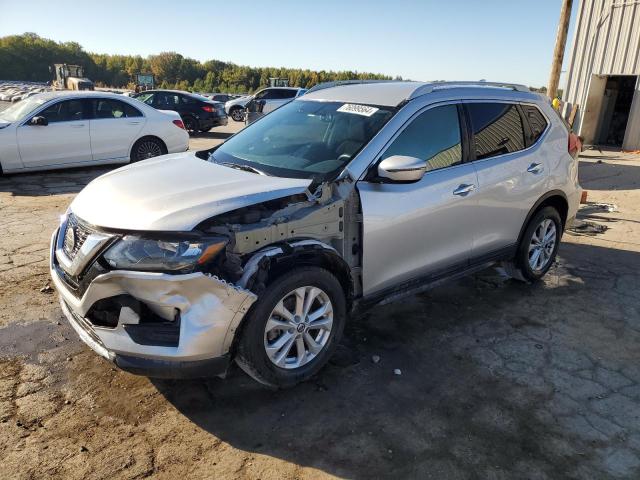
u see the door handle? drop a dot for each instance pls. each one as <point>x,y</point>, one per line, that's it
<point>77,125</point>
<point>133,123</point>
<point>535,168</point>
<point>464,190</point>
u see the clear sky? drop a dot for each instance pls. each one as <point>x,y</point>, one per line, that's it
<point>505,40</point>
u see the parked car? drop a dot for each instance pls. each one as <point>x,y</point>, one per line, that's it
<point>198,113</point>
<point>258,250</point>
<point>273,98</point>
<point>70,129</point>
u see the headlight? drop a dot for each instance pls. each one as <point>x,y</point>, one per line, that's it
<point>136,253</point>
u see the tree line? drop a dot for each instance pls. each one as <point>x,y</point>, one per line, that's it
<point>29,56</point>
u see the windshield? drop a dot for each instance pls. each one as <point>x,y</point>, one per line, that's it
<point>21,109</point>
<point>304,139</point>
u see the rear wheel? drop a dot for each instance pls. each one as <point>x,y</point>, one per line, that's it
<point>293,328</point>
<point>147,147</point>
<point>538,247</point>
<point>191,124</point>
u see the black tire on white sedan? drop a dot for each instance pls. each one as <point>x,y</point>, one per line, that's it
<point>147,147</point>
<point>538,247</point>
<point>293,328</point>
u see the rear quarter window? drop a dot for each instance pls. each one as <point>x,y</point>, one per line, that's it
<point>537,123</point>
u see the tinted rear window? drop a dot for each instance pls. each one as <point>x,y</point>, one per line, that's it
<point>497,129</point>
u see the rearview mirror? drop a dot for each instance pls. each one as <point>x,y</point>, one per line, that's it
<point>39,121</point>
<point>400,168</point>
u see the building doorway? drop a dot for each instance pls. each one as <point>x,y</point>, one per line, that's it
<point>614,111</point>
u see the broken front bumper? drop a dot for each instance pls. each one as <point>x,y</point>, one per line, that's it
<point>208,310</point>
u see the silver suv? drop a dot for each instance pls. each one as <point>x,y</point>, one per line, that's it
<point>258,250</point>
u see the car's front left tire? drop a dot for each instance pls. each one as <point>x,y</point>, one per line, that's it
<point>293,328</point>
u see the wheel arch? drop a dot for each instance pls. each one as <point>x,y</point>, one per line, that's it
<point>554,198</point>
<point>145,137</point>
<point>276,260</point>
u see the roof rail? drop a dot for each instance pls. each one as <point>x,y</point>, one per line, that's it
<point>430,87</point>
<point>337,83</point>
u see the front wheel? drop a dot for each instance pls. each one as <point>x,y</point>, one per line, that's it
<point>293,328</point>
<point>237,113</point>
<point>538,247</point>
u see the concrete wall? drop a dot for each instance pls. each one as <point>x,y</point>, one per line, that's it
<point>606,42</point>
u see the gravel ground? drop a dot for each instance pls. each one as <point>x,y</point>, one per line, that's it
<point>498,380</point>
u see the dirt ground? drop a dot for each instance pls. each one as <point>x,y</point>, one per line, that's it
<point>499,380</point>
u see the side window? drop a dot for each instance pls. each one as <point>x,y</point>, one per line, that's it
<point>288,93</point>
<point>146,98</point>
<point>537,122</point>
<point>497,129</point>
<point>266,95</point>
<point>130,111</point>
<point>109,108</point>
<point>167,101</point>
<point>434,136</point>
<point>65,111</point>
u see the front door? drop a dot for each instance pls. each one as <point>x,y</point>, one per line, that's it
<point>64,140</point>
<point>423,229</point>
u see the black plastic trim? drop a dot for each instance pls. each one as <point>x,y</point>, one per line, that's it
<point>154,368</point>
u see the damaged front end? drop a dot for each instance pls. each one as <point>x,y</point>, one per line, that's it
<point>307,229</point>
<point>151,323</point>
<point>169,304</point>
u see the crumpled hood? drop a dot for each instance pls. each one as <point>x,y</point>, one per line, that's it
<point>175,193</point>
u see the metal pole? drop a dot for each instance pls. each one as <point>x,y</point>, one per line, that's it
<point>558,52</point>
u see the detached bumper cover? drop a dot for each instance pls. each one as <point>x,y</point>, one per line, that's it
<point>210,311</point>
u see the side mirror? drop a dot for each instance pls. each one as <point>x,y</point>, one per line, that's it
<point>400,168</point>
<point>39,121</point>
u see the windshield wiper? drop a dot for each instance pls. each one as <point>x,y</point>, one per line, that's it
<point>246,168</point>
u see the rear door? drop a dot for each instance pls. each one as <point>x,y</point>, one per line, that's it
<point>511,174</point>
<point>115,125</point>
<point>421,229</point>
<point>65,140</point>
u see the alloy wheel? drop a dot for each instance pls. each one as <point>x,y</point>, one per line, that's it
<point>148,149</point>
<point>543,242</point>
<point>299,327</point>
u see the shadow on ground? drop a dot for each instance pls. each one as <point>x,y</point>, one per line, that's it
<point>212,135</point>
<point>53,182</point>
<point>609,176</point>
<point>499,380</point>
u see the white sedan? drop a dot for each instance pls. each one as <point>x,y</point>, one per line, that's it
<point>71,129</point>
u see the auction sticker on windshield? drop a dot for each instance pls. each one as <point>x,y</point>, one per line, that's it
<point>364,110</point>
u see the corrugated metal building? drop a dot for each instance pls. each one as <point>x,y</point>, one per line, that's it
<point>603,75</point>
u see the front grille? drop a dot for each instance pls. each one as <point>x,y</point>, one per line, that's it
<point>75,235</point>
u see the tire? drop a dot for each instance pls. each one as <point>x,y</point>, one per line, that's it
<point>191,124</point>
<point>287,364</point>
<point>147,147</point>
<point>237,113</point>
<point>205,130</point>
<point>534,258</point>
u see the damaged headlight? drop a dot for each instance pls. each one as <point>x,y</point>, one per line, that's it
<point>135,253</point>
